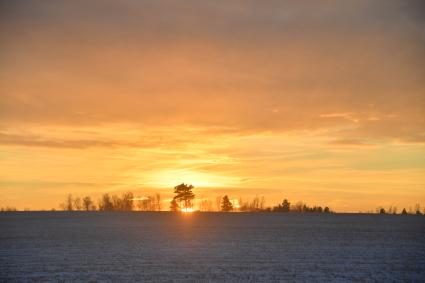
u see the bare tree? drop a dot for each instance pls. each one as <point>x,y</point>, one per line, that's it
<point>417,209</point>
<point>244,205</point>
<point>218,203</point>
<point>262,203</point>
<point>240,204</point>
<point>105,203</point>
<point>77,203</point>
<point>87,203</point>
<point>255,204</point>
<point>127,201</point>
<point>298,207</point>
<point>147,203</point>
<point>392,210</point>
<point>69,203</point>
<point>158,202</point>
<point>206,205</point>
<point>116,203</point>
<point>140,205</point>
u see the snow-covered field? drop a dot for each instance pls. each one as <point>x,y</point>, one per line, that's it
<point>241,247</point>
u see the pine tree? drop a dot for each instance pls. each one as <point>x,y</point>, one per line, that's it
<point>184,195</point>
<point>226,205</point>
<point>286,205</point>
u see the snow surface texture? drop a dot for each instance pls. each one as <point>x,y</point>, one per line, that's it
<point>205,247</point>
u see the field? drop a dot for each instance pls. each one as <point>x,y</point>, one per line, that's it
<point>233,247</point>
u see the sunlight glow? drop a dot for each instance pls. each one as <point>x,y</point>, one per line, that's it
<point>187,210</point>
<point>221,96</point>
<point>235,203</point>
<point>168,178</point>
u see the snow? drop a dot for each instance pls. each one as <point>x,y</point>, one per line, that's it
<point>214,247</point>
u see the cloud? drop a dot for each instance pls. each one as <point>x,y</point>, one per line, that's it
<point>113,136</point>
<point>224,65</point>
<point>31,141</point>
<point>350,143</point>
<point>347,116</point>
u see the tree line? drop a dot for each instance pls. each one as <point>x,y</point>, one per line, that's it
<point>393,210</point>
<point>8,209</point>
<point>183,201</point>
<point>125,202</point>
<point>184,197</point>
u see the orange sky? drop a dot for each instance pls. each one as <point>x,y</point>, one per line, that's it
<point>320,101</point>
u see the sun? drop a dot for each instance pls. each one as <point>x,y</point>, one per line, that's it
<point>187,210</point>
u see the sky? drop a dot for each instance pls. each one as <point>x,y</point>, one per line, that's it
<point>319,101</point>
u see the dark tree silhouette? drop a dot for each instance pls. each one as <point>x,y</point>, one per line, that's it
<point>226,205</point>
<point>69,203</point>
<point>158,202</point>
<point>116,203</point>
<point>298,207</point>
<point>285,206</point>
<point>382,211</point>
<point>182,201</point>
<point>404,212</point>
<point>184,195</point>
<point>127,201</point>
<point>174,206</point>
<point>106,203</point>
<point>77,203</point>
<point>145,204</point>
<point>87,203</point>
<point>418,209</point>
<point>150,203</point>
<point>8,209</point>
